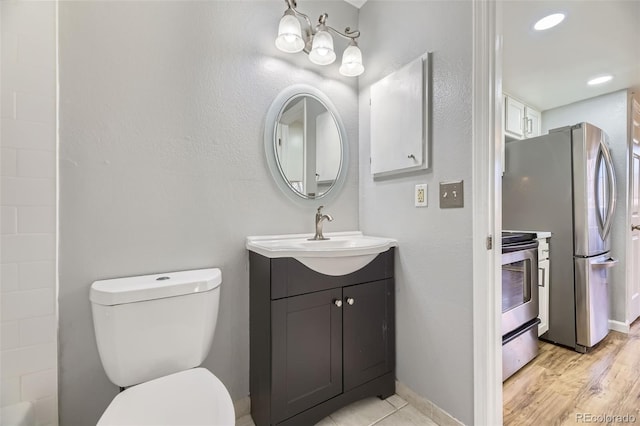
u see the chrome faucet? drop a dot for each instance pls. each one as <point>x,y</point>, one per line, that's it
<point>319,219</point>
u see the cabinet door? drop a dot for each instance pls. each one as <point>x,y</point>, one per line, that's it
<point>514,118</point>
<point>533,123</point>
<point>369,332</point>
<point>306,350</point>
<point>543,296</point>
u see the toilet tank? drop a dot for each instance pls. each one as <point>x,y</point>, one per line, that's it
<point>154,325</point>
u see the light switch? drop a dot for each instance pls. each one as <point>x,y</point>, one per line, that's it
<point>451,195</point>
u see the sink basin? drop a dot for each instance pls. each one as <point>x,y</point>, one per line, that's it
<point>343,253</point>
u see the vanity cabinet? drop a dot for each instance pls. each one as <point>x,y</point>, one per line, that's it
<point>318,342</point>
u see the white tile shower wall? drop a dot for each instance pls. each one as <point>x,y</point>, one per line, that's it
<point>28,349</point>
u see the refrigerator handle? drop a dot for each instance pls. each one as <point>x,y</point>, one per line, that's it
<point>607,263</point>
<point>611,190</point>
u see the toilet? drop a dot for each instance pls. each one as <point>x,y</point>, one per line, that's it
<point>152,332</point>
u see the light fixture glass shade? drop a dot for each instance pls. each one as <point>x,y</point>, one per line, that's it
<point>322,49</point>
<point>289,35</point>
<point>352,62</point>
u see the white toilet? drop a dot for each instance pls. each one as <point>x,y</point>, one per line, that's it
<point>151,332</point>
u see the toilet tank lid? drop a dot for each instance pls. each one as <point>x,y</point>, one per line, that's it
<point>156,286</point>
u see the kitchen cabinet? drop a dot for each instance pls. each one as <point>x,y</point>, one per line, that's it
<point>520,120</point>
<point>318,342</point>
<point>543,283</point>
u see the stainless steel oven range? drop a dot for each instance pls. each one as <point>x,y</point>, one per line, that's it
<point>519,301</point>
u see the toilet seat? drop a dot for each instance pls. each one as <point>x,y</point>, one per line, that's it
<point>191,397</point>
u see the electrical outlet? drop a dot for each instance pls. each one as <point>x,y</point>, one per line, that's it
<point>420,196</point>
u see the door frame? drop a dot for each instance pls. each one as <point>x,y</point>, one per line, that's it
<point>633,98</point>
<point>487,216</point>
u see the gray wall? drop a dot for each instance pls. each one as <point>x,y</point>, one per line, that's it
<point>162,166</point>
<point>610,113</point>
<point>434,264</point>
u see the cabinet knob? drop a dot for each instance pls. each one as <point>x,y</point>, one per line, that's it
<point>351,300</point>
<point>338,303</point>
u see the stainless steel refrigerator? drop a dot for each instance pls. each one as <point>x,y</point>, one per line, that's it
<point>564,182</point>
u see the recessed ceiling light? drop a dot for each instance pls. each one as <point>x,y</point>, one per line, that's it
<point>549,21</point>
<point>599,80</point>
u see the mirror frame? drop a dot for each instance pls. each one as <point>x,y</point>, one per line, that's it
<point>273,115</point>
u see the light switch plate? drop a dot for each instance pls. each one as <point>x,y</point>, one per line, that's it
<point>451,194</point>
<point>420,195</point>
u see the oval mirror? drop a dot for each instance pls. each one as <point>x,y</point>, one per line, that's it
<point>305,143</point>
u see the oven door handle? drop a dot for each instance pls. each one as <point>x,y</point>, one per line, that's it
<point>528,245</point>
<point>607,263</point>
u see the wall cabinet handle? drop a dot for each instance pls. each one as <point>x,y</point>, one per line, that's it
<point>635,227</point>
<point>338,303</point>
<point>351,300</point>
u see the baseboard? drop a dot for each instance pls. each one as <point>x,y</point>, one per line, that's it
<point>426,407</point>
<point>622,327</point>
<point>242,407</point>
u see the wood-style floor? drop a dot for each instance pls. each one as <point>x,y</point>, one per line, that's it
<point>563,387</point>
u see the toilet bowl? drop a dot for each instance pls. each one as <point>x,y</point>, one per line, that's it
<point>152,331</point>
<point>192,397</point>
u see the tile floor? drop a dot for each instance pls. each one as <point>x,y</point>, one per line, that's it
<point>393,411</point>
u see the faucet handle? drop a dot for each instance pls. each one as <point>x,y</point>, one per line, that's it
<point>320,209</point>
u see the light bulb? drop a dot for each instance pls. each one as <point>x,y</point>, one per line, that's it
<point>549,21</point>
<point>600,80</point>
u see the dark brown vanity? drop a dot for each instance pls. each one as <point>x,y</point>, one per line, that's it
<point>318,342</point>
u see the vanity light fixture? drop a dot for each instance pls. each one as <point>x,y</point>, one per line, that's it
<point>600,80</point>
<point>549,21</point>
<point>317,41</point>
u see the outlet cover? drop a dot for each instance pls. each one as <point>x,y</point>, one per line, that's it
<point>420,195</point>
<point>451,195</point>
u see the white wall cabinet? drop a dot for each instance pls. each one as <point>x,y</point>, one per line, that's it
<point>543,284</point>
<point>520,120</point>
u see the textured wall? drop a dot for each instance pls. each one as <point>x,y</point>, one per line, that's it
<point>609,112</point>
<point>434,261</point>
<point>28,348</point>
<point>162,163</point>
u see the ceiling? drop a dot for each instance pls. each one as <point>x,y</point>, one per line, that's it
<point>547,69</point>
<point>356,3</point>
<point>551,68</point>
